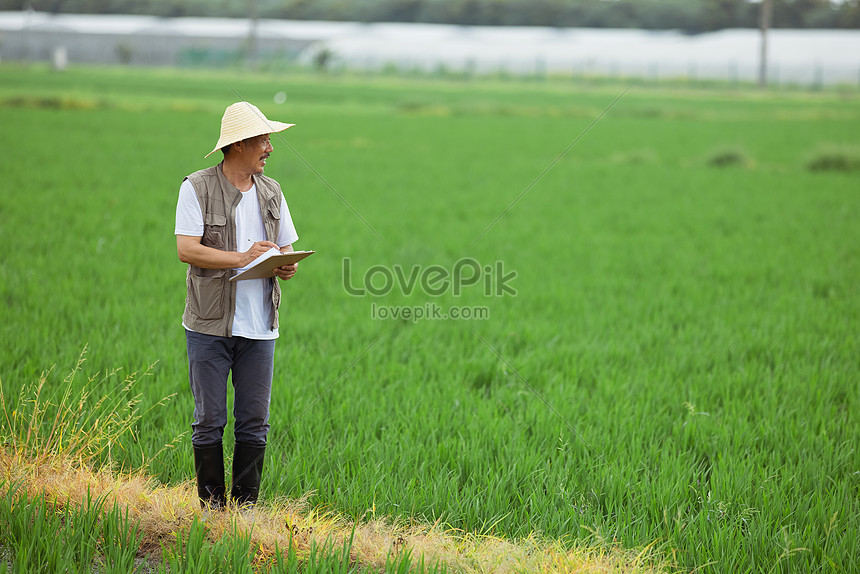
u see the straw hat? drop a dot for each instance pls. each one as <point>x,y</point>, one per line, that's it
<point>244,120</point>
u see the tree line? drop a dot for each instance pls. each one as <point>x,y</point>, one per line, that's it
<point>691,16</point>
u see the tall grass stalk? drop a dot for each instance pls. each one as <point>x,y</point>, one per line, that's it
<point>86,421</point>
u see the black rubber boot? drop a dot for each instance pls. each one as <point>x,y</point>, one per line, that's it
<point>247,473</point>
<point>209,467</point>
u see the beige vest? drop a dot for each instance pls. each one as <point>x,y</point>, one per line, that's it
<point>210,302</point>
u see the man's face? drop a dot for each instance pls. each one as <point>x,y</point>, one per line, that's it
<point>257,150</point>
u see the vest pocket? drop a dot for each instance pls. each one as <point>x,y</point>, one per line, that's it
<point>275,208</point>
<point>214,226</point>
<point>207,295</point>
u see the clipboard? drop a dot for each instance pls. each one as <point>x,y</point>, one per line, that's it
<point>264,266</point>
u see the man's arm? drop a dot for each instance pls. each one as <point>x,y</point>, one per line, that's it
<point>190,250</point>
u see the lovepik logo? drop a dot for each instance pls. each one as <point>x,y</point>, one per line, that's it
<point>433,280</point>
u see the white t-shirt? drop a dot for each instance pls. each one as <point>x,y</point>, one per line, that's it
<point>253,318</point>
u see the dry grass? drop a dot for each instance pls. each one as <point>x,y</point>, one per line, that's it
<point>62,450</point>
<point>164,511</point>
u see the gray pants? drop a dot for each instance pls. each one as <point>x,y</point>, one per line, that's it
<point>210,360</point>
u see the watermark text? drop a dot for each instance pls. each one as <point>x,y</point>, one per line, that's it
<point>428,312</point>
<point>433,280</point>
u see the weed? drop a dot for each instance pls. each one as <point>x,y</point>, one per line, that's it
<point>730,156</point>
<point>839,158</point>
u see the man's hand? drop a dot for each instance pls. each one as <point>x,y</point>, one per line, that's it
<point>255,251</point>
<point>287,271</point>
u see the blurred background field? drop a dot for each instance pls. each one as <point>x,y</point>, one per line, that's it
<point>679,365</point>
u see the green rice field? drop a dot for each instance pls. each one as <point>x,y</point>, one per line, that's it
<point>676,362</point>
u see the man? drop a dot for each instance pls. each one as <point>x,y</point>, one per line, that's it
<point>228,215</point>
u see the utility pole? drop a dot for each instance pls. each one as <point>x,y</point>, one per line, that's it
<point>764,25</point>
<point>252,34</point>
